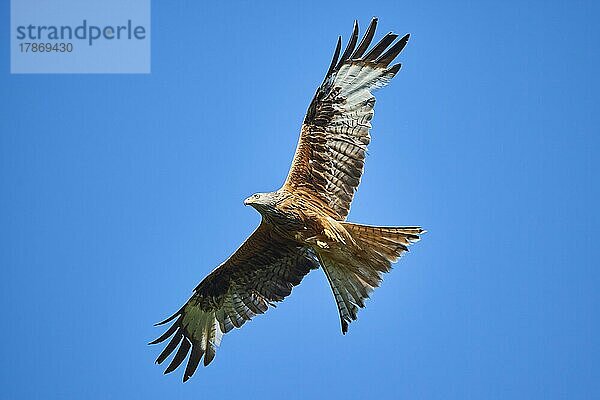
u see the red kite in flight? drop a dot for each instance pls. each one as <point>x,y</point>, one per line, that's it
<point>303,223</point>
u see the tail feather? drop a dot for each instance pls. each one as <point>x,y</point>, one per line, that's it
<point>354,272</point>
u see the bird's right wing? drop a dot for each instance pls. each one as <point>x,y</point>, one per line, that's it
<point>262,271</point>
<point>333,142</point>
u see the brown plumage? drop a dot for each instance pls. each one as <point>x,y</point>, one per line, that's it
<point>303,223</point>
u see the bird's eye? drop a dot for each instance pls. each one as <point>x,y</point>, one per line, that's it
<point>256,196</point>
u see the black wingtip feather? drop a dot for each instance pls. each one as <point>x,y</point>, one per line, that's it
<point>209,355</point>
<point>171,318</point>
<point>334,60</point>
<point>350,46</point>
<point>366,40</point>
<point>193,362</point>
<point>387,57</point>
<point>394,68</point>
<point>165,335</point>
<point>179,356</point>
<point>380,47</point>
<point>170,347</point>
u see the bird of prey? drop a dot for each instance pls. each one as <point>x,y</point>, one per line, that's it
<point>303,224</point>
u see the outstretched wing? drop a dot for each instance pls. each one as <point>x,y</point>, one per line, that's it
<point>333,142</point>
<point>263,270</point>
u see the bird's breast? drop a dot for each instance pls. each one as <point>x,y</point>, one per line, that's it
<point>292,222</point>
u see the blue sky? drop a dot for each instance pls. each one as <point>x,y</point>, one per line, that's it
<point>121,192</point>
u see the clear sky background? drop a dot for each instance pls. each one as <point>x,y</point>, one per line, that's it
<point>119,193</point>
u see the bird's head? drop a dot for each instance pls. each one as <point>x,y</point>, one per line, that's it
<point>262,201</point>
<point>255,199</point>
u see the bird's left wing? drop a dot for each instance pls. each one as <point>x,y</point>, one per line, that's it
<point>333,143</point>
<point>262,271</point>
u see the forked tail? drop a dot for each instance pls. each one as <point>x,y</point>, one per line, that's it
<point>354,271</point>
